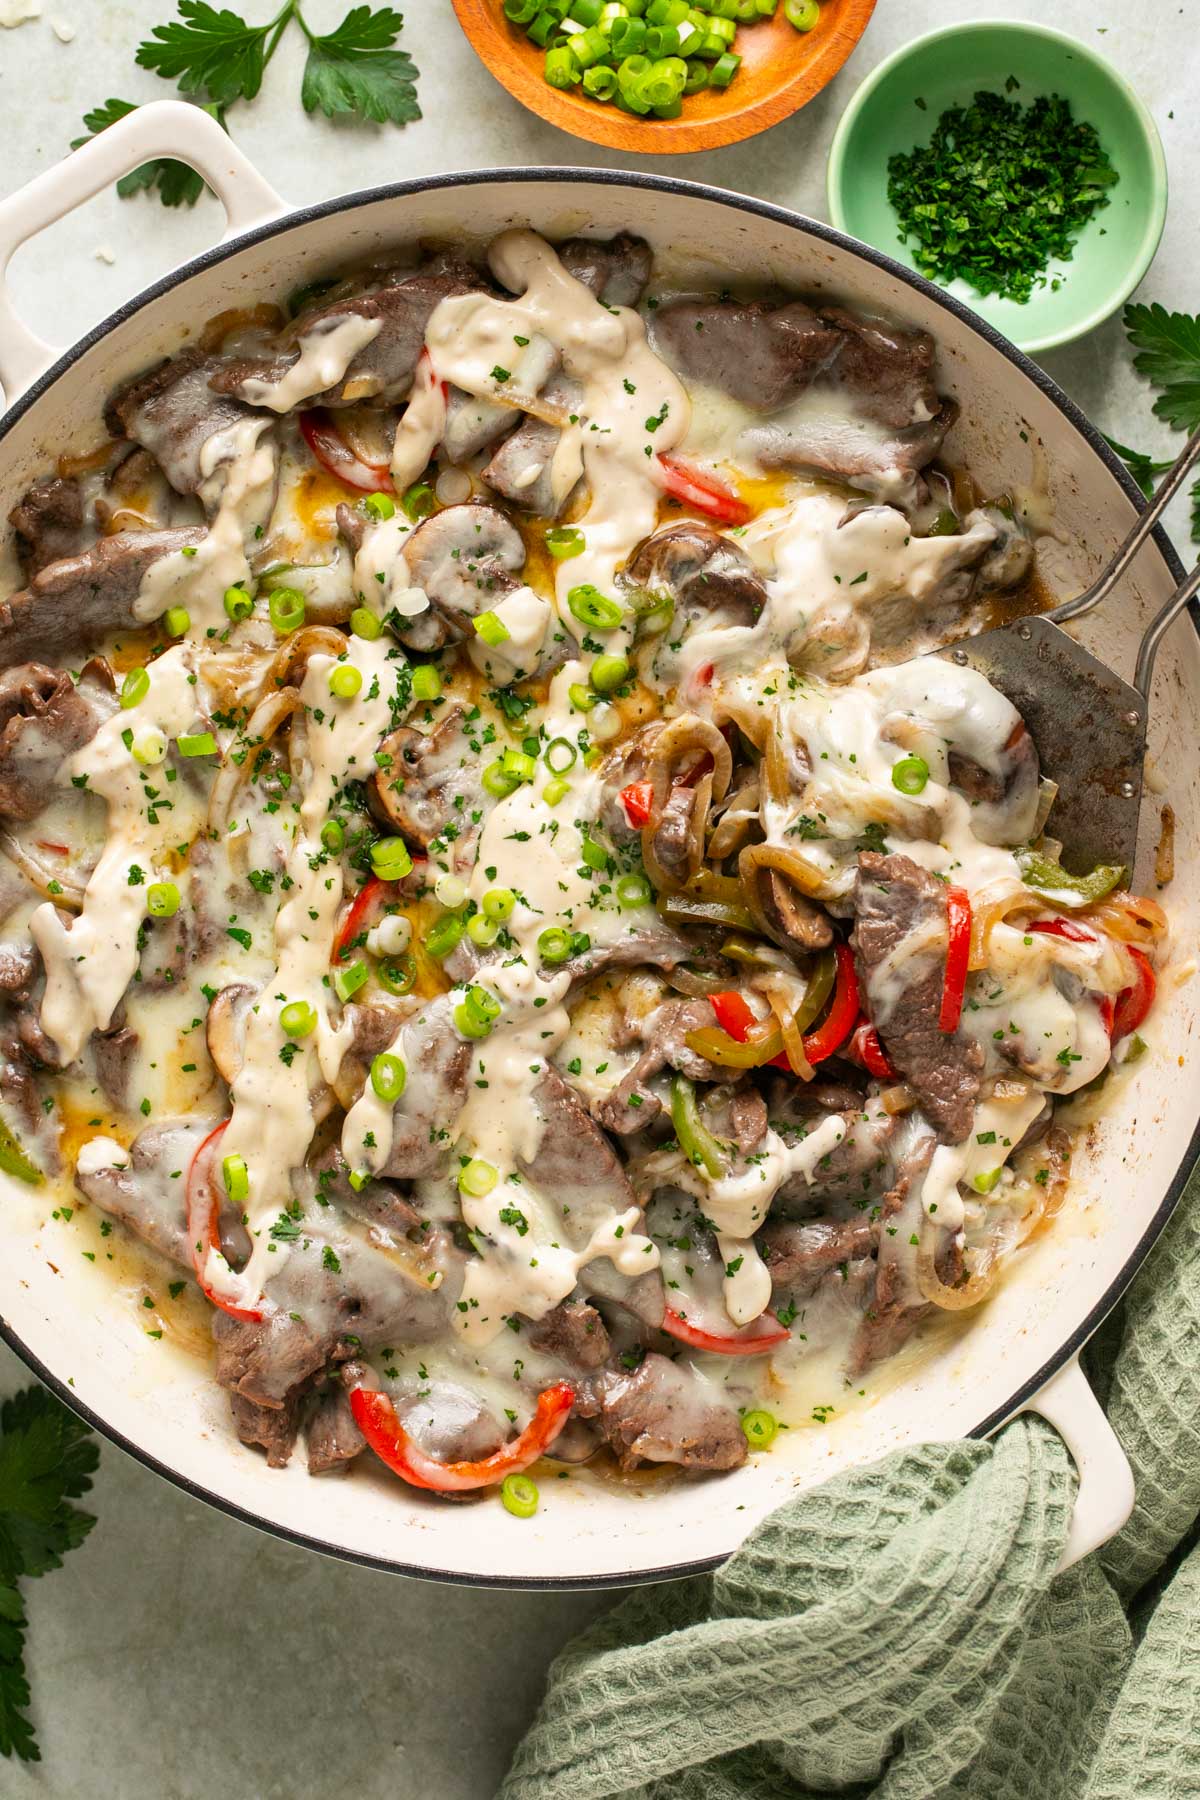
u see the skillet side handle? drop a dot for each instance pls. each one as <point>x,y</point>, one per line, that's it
<point>163,128</point>
<point>1105,1497</point>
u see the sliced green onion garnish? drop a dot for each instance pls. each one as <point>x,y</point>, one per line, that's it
<point>365,624</point>
<point>388,1076</point>
<point>298,1019</point>
<point>380,506</point>
<point>417,502</point>
<point>443,937</point>
<point>519,1496</point>
<point>910,774</point>
<point>608,673</point>
<point>491,629</point>
<point>560,755</point>
<point>484,1001</point>
<point>565,541</point>
<point>162,899</point>
<point>236,1177</point>
<point>986,1181</point>
<point>760,1429</point>
<point>498,903</point>
<point>554,944</point>
<point>803,14</point>
<point>426,682</point>
<point>149,747</point>
<point>333,836</point>
<point>634,890</point>
<point>286,608</point>
<point>398,976</point>
<point>134,688</point>
<point>346,982</point>
<point>238,604</point>
<point>478,1178</point>
<point>391,859</point>
<point>554,791</point>
<point>497,781</point>
<point>345,680</point>
<point>581,698</point>
<point>591,607</point>
<point>594,855</point>
<point>176,621</point>
<point>482,930</point>
<point>196,743</point>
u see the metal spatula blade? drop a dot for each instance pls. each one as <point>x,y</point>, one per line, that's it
<point>1088,724</point>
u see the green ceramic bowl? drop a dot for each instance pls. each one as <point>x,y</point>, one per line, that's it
<point>946,68</point>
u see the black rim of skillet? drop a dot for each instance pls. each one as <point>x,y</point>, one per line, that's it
<point>813,228</point>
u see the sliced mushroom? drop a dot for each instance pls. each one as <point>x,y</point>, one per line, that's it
<point>464,559</point>
<point>226,1028</point>
<point>798,923</point>
<point>428,779</point>
<point>701,570</point>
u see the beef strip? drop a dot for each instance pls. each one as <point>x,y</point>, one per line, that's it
<point>894,898</point>
<point>572,1331</point>
<point>798,1255</point>
<point>797,923</point>
<point>146,1194</point>
<point>381,373</point>
<point>378,1204</point>
<point>113,1054</point>
<point>48,522</point>
<point>857,1169</point>
<point>332,1438</point>
<point>891,1316</point>
<point>270,1428</point>
<point>521,471</point>
<point>615,271</point>
<point>761,355</point>
<point>633,1105</point>
<point>473,423</point>
<point>46,717</point>
<point>663,1412</point>
<point>436,1059</point>
<point>172,411</point>
<point>74,603</point>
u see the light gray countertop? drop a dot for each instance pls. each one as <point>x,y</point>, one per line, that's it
<point>180,1654</point>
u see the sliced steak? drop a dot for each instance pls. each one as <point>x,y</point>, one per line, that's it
<point>574,1332</point>
<point>473,423</point>
<point>615,271</point>
<point>574,1163</point>
<point>798,1255</point>
<point>632,1104</point>
<point>75,603</point>
<point>892,1313</point>
<point>46,717</point>
<point>522,470</point>
<point>172,411</point>
<point>899,944</point>
<point>423,1118</point>
<point>797,923</point>
<point>664,1412</point>
<point>381,374</point>
<point>761,355</point>
<point>269,1428</point>
<point>48,522</point>
<point>113,1055</point>
<point>146,1191</point>
<point>332,1438</point>
<point>887,370</point>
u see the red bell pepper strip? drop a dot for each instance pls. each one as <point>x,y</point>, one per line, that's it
<point>866,1048</point>
<point>766,1334</point>
<point>376,1418</point>
<point>958,954</point>
<point>637,800</point>
<point>337,458</point>
<point>701,489</point>
<point>1063,928</point>
<point>840,1020</point>
<point>734,1014</point>
<point>204,1223</point>
<point>1133,1003</point>
<point>373,893</point>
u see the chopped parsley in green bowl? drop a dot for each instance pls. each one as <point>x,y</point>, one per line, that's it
<point>1041,205</point>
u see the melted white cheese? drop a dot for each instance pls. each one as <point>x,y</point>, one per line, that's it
<point>326,352</point>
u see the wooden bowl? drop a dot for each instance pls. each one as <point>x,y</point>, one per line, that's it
<point>782,69</point>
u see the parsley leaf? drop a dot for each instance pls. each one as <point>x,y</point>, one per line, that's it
<point>1143,468</point>
<point>208,52</point>
<point>355,70</point>
<point>47,1459</point>
<point>175,183</point>
<point>1168,346</point>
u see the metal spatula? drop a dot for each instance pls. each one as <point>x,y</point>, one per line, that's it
<point>1088,724</point>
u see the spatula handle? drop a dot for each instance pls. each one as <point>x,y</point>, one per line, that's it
<point>1143,526</point>
<point>1157,629</point>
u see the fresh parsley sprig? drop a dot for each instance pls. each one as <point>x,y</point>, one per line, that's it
<point>47,1460</point>
<point>1168,355</point>
<point>216,58</point>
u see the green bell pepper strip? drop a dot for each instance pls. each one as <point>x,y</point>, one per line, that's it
<point>695,1139</point>
<point>1047,877</point>
<point>13,1160</point>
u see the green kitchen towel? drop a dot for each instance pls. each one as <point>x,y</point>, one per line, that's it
<point>900,1632</point>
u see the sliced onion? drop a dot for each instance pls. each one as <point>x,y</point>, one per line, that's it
<point>261,726</point>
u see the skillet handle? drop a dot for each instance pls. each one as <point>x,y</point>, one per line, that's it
<point>1105,1497</point>
<point>163,128</point>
